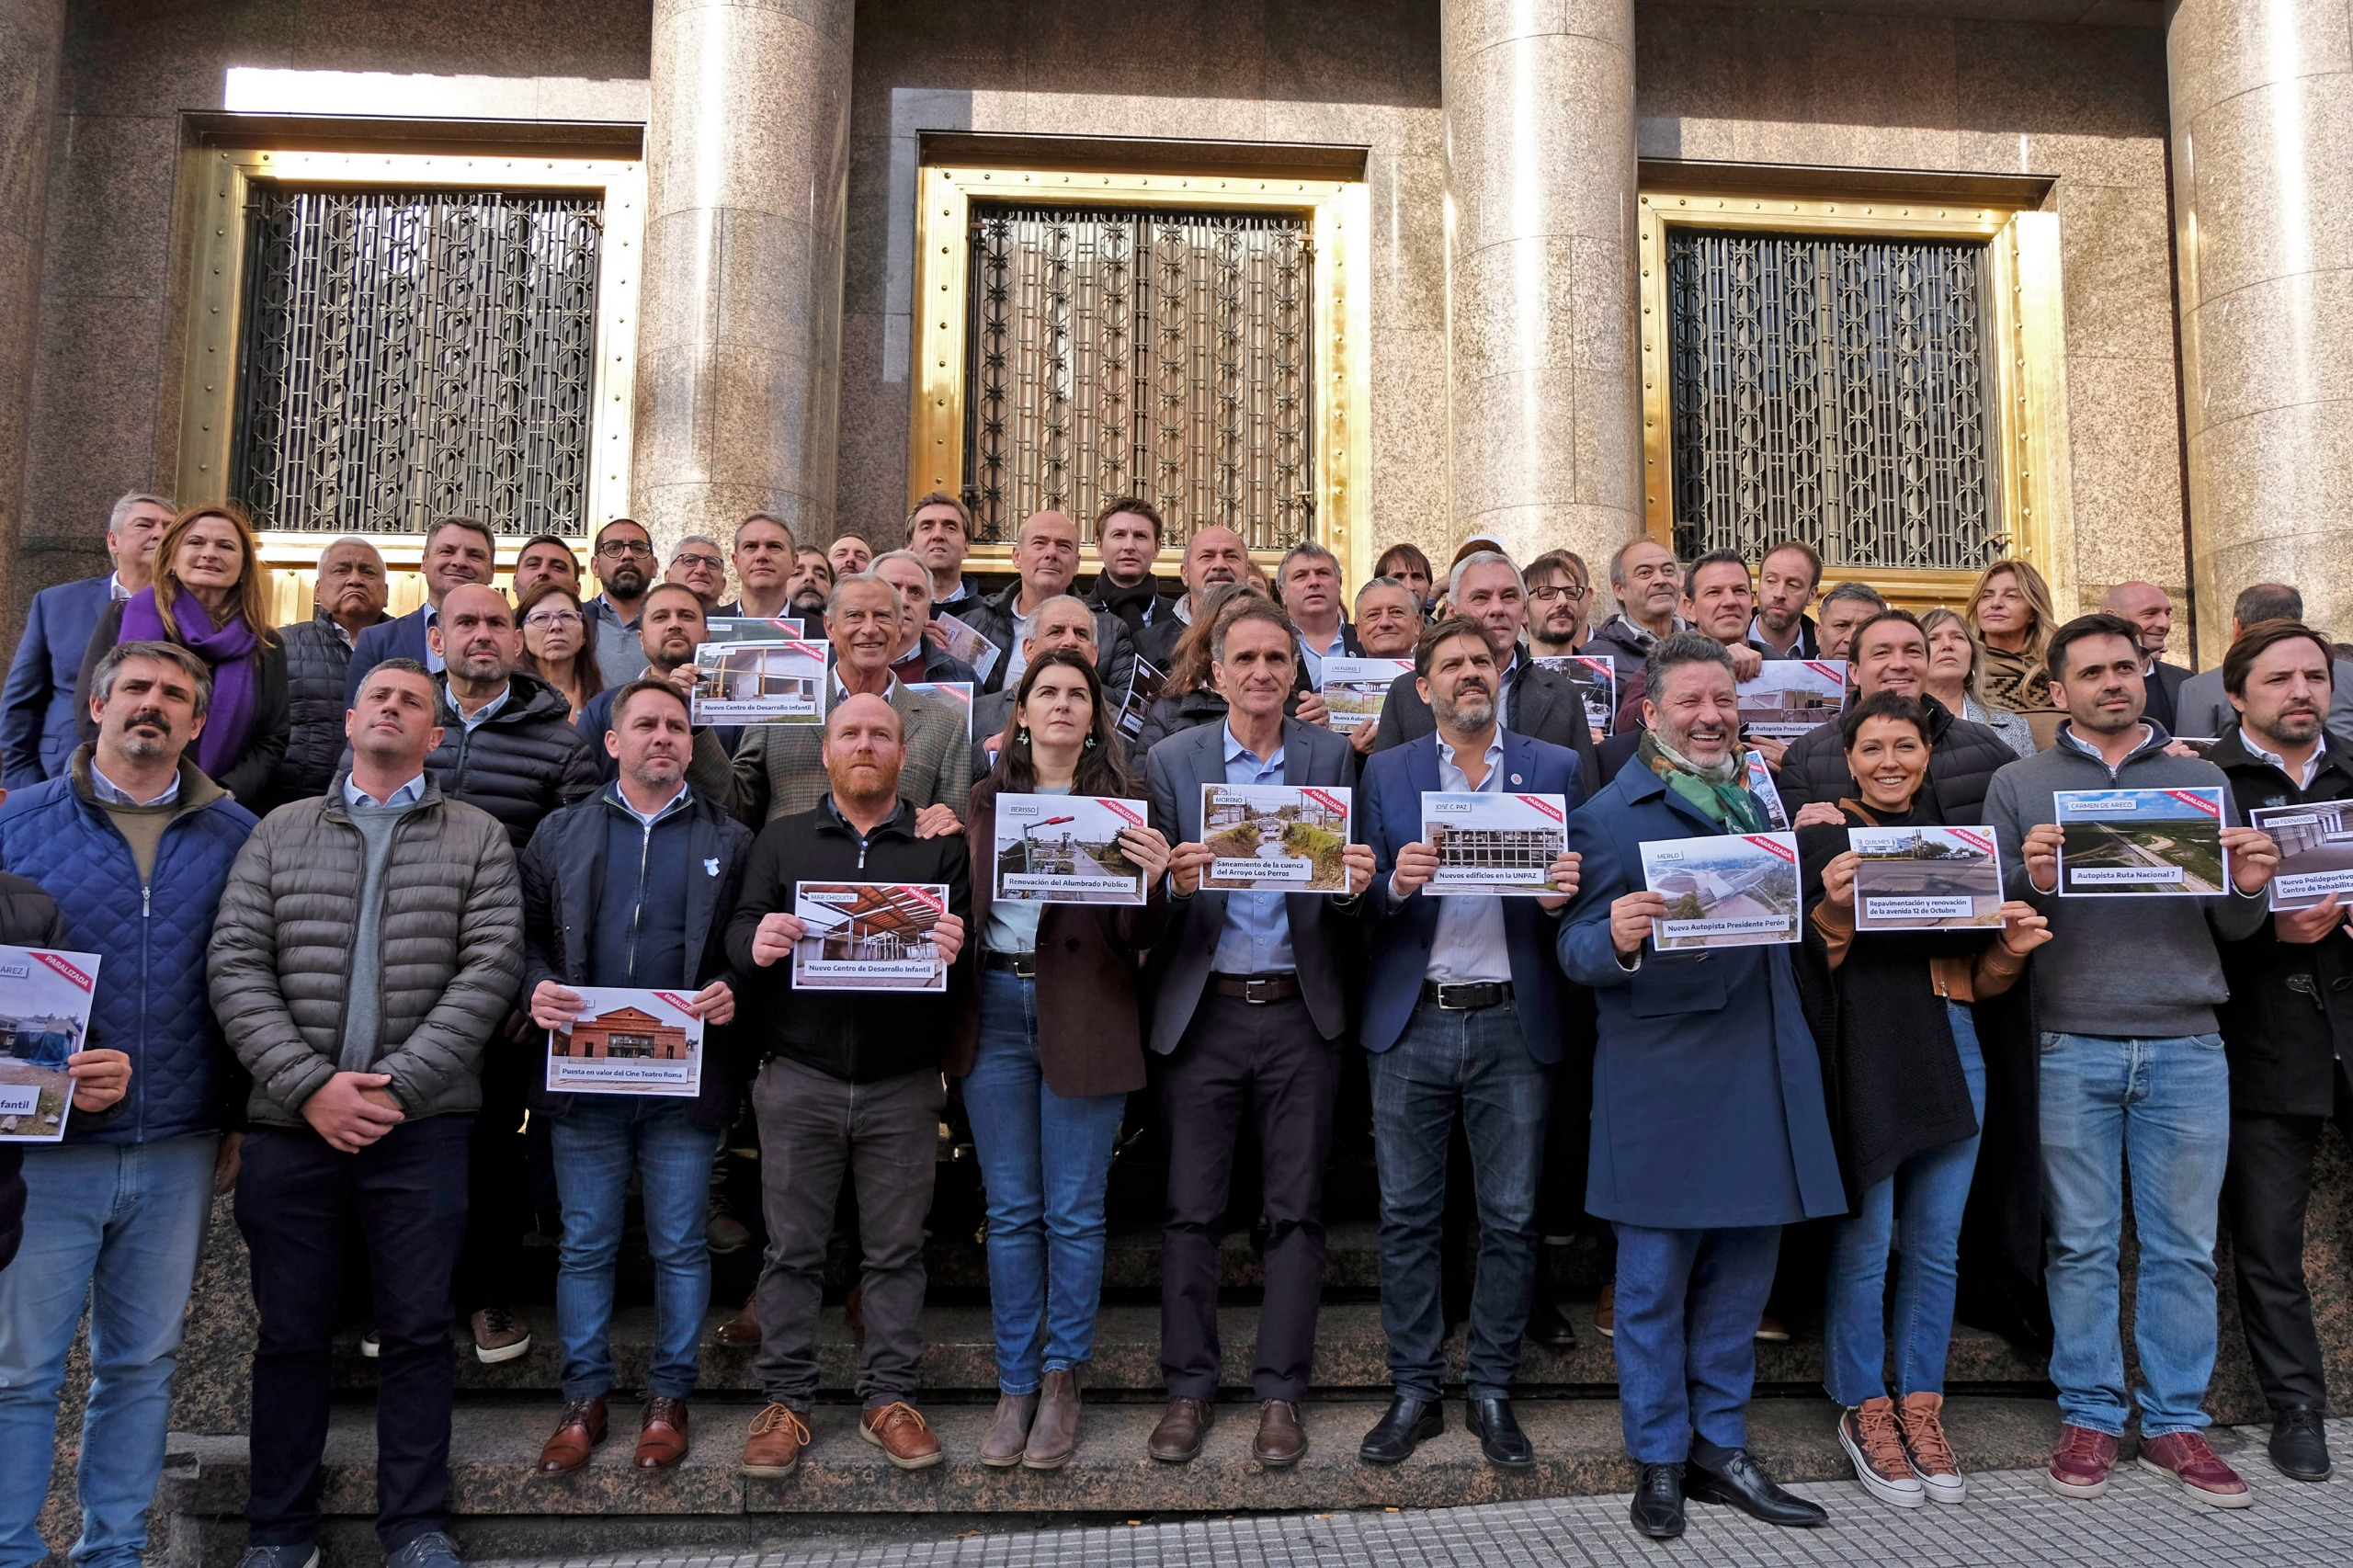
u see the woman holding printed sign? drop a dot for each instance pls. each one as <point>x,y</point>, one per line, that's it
<point>1076,889</point>
<point>1908,942</point>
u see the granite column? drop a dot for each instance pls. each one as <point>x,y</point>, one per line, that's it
<point>32,34</point>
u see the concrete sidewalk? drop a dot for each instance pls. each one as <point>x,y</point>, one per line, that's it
<point>2011,1519</point>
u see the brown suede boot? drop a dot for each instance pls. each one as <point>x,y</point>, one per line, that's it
<point>1053,1436</point>
<point>1008,1431</point>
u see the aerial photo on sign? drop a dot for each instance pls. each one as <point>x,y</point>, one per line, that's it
<point>1355,689</point>
<point>1275,837</point>
<point>2141,842</point>
<point>1066,849</point>
<point>1790,697</point>
<point>2315,852</point>
<point>1599,673</point>
<point>1729,890</point>
<point>869,937</point>
<point>45,998</point>
<point>760,683</point>
<point>1493,844</point>
<point>1926,879</point>
<point>628,1042</point>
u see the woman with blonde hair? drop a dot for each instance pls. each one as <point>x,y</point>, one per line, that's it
<point>1953,680</point>
<point>2011,617</point>
<point>556,644</point>
<point>210,595</point>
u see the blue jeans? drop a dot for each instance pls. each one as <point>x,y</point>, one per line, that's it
<point>119,1226</point>
<point>1476,1061</point>
<point>1045,1160</point>
<point>2163,1107</point>
<point>596,1146</point>
<point>1688,1302</point>
<point>1933,1186</point>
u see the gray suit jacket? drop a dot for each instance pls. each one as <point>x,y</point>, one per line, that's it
<point>2202,708</point>
<point>1322,928</point>
<point>779,769</point>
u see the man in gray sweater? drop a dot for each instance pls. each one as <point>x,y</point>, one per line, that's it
<point>2125,994</point>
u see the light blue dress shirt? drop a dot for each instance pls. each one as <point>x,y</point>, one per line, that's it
<point>1255,937</point>
<point>407,794</point>
<point>1315,656</point>
<point>113,794</point>
<point>1470,943</point>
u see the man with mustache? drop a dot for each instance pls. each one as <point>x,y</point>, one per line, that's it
<point>2287,1026</point>
<point>1713,1040</point>
<point>347,599</point>
<point>623,562</point>
<point>1461,1016</point>
<point>806,589</point>
<point>2203,704</point>
<point>133,843</point>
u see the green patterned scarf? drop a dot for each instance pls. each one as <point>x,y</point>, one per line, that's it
<point>1721,792</point>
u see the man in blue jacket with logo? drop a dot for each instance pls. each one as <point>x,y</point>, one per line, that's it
<point>134,844</point>
<point>1709,1130</point>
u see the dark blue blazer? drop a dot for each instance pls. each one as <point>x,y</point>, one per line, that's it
<point>401,639</point>
<point>37,720</point>
<point>1707,1092</point>
<point>1391,805</point>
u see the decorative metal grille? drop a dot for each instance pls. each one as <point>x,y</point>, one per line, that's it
<point>409,355</point>
<point>1832,389</point>
<point>1145,352</point>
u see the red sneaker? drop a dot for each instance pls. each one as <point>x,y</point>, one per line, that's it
<point>2080,1467</point>
<point>2185,1456</point>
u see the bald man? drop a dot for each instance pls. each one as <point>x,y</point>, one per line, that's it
<point>1214,555</point>
<point>2149,609</point>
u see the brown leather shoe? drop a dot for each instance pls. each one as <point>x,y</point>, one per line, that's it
<point>1282,1437</point>
<point>577,1432</point>
<point>742,1330</point>
<point>1008,1431</point>
<point>778,1436</point>
<point>905,1438</point>
<point>1053,1433</point>
<point>662,1434</point>
<point>1605,1310</point>
<point>1182,1426</point>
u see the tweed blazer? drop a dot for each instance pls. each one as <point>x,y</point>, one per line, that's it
<point>779,769</point>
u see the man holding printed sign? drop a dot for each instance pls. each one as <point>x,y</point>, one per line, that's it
<point>625,897</point>
<point>2130,1051</point>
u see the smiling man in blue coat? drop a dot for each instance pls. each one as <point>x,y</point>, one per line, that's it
<point>1709,1130</point>
<point>1461,1014</point>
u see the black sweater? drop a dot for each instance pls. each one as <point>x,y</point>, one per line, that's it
<point>858,1036</point>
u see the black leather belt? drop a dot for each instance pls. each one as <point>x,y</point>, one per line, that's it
<point>1021,965</point>
<point>1468,995</point>
<point>1256,989</point>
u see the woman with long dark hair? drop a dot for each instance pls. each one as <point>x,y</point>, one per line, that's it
<point>211,596</point>
<point>1047,1057</point>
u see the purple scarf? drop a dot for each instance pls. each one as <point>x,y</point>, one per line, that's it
<point>228,649</point>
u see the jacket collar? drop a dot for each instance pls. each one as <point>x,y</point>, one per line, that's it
<point>197,788</point>
<point>527,696</point>
<point>335,812</point>
<point>902,823</point>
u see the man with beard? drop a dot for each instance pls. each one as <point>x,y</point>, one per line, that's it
<point>850,554</point>
<point>1713,1039</point>
<point>457,551</point>
<point>670,628</point>
<point>1461,1016</point>
<point>807,590</point>
<point>696,565</point>
<point>623,562</point>
<point>2287,1027</point>
<point>133,843</point>
<point>763,569</point>
<point>1559,589</point>
<point>348,599</point>
<point>1214,555</point>
<point>546,558</point>
<point>2204,706</point>
<point>1786,580</point>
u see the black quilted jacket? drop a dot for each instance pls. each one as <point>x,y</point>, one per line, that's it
<point>519,764</point>
<point>316,663</point>
<point>1962,759</point>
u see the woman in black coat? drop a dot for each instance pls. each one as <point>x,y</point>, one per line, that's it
<point>1905,1067</point>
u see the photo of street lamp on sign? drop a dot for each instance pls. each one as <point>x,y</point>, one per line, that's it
<point>1066,849</point>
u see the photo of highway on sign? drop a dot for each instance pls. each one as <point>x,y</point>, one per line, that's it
<point>1275,837</point>
<point>1926,879</point>
<point>1737,890</point>
<point>2141,842</point>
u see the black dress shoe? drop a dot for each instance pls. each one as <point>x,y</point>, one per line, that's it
<point>2299,1446</point>
<point>1548,1325</point>
<point>1408,1424</point>
<point>1497,1429</point>
<point>1737,1480</point>
<point>1657,1508</point>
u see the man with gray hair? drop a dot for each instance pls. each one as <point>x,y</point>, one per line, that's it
<point>1307,584</point>
<point>1844,611</point>
<point>698,563</point>
<point>1647,583</point>
<point>2202,708</point>
<point>36,717</point>
<point>349,597</point>
<point>920,659</point>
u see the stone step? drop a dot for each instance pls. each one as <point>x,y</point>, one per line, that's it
<point>960,1362</point>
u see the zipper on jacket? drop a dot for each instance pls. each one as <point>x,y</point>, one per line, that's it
<point>637,904</point>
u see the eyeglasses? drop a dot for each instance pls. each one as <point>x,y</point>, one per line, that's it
<point>1572,592</point>
<point>541,619</point>
<point>626,547</point>
<point>713,562</point>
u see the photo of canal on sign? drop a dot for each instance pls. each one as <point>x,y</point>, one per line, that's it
<point>2139,843</point>
<point>1275,837</point>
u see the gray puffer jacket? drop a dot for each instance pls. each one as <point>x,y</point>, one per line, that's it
<point>280,958</point>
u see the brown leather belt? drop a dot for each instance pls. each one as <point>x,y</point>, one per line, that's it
<point>1468,995</point>
<point>1256,989</point>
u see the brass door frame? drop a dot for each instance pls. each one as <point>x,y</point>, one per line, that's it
<point>214,184</point>
<point>1341,211</point>
<point>2027,355</point>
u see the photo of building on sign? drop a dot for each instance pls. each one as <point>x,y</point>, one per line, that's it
<point>867,937</point>
<point>623,1034</point>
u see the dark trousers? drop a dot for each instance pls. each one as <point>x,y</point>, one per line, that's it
<point>499,1182</point>
<point>299,1202</point>
<point>2266,1186</point>
<point>815,1130</point>
<point>1237,1057</point>
<point>1474,1062</point>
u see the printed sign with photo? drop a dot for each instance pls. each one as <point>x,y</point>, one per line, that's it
<point>1599,673</point>
<point>1276,837</point>
<point>754,628</point>
<point>1355,689</point>
<point>1737,889</point>
<point>955,694</point>
<point>2140,843</point>
<point>760,683</point>
<point>961,642</point>
<point>628,1042</point>
<point>869,937</point>
<point>45,996</point>
<point>2315,852</point>
<point>1066,849</point>
<point>1145,687</point>
<point>1790,697</point>
<point>1493,844</point>
<point>1768,795</point>
<point>1926,879</point>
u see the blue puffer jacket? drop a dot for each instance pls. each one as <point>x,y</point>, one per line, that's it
<point>151,1000</point>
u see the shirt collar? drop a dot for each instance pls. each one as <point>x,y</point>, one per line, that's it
<point>1494,754</point>
<point>850,827</point>
<point>621,798</point>
<point>113,794</point>
<point>407,794</point>
<point>2254,748</point>
<point>1234,749</point>
<point>1339,645</point>
<point>115,590</point>
<point>479,716</point>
